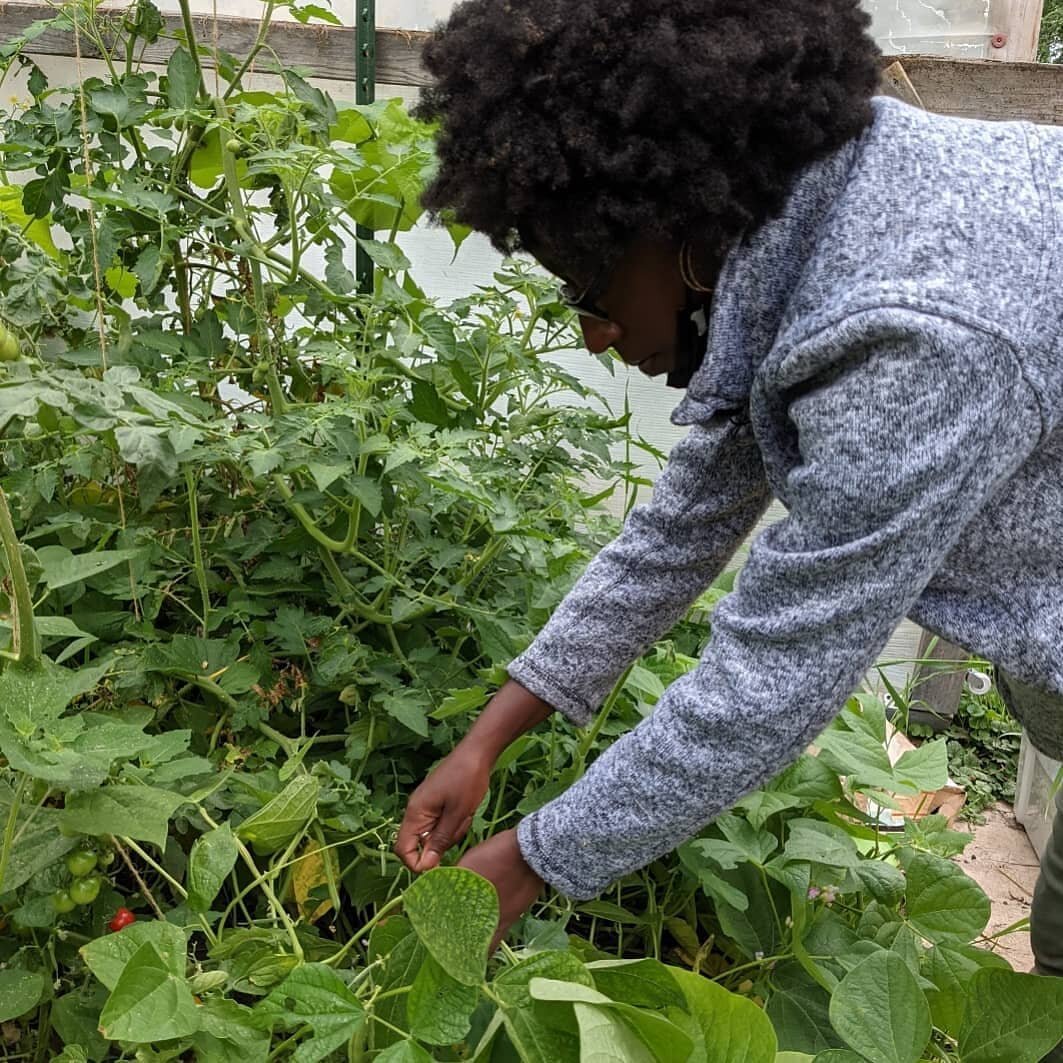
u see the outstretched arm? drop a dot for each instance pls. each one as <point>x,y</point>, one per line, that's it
<point>904,428</point>
<point>707,500</point>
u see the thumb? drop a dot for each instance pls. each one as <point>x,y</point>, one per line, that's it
<point>450,828</point>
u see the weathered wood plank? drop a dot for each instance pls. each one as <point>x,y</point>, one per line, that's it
<point>981,88</point>
<point>328,51</point>
<point>937,688</point>
<point>1020,24</point>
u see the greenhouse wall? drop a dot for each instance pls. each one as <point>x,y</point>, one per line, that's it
<point>962,29</point>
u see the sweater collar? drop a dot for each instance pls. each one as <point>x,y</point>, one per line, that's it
<point>758,277</point>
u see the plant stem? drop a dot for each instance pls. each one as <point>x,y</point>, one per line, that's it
<point>355,938</point>
<point>9,827</point>
<point>590,737</point>
<point>24,631</point>
<point>242,225</point>
<point>262,878</point>
<point>260,41</point>
<point>145,892</point>
<point>798,912</point>
<point>197,546</point>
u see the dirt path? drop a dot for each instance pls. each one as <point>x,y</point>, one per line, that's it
<point>1003,862</point>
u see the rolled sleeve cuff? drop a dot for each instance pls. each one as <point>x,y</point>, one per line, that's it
<point>532,676</point>
<point>536,854</point>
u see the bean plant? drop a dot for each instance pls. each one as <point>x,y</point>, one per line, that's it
<point>269,539</point>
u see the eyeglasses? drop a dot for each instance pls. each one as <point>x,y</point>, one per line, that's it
<point>585,301</point>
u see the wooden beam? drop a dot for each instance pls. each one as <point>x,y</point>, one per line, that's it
<point>1019,23</point>
<point>327,51</point>
<point>981,88</point>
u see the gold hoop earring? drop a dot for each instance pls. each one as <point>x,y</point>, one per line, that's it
<point>686,270</point>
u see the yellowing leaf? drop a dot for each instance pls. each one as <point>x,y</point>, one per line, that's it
<point>310,871</point>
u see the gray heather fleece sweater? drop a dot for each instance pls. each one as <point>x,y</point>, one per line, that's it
<point>886,358</point>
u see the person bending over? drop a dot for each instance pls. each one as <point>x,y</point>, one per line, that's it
<point>859,302</point>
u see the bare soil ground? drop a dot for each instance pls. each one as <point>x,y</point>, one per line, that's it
<point>1003,862</point>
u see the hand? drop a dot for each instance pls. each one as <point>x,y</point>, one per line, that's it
<point>440,810</point>
<point>500,861</point>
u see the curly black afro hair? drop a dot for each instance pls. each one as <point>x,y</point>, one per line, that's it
<point>569,128</point>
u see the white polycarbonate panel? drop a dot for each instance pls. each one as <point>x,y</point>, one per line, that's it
<point>958,28</point>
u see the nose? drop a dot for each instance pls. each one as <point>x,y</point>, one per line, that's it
<point>599,336</point>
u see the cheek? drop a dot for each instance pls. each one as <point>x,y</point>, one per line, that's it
<point>656,330</point>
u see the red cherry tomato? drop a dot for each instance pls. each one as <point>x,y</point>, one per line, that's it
<point>122,918</point>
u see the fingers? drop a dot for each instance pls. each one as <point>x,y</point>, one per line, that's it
<point>416,825</point>
<point>451,828</point>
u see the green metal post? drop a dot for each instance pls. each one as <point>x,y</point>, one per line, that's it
<point>365,92</point>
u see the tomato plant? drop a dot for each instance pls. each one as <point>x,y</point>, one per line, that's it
<point>268,544</point>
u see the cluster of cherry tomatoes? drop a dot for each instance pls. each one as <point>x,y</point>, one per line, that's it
<point>84,866</point>
<point>85,880</point>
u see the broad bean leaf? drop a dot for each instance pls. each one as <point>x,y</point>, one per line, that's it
<point>439,1008</point>
<point>107,956</point>
<point>733,1029</point>
<point>883,881</point>
<point>942,903</point>
<point>314,995</point>
<point>19,992</point>
<point>278,821</point>
<point>140,812</point>
<point>228,1033</point>
<point>817,842</point>
<point>879,1009</point>
<point>539,1036</point>
<point>809,779</point>
<point>212,859</point>
<point>511,986</point>
<point>660,1039</point>
<point>761,805</point>
<point>860,757</point>
<point>1010,1016</point>
<point>404,1052</point>
<point>455,914</point>
<point>405,957</point>
<point>950,967</point>
<point>799,1011</point>
<point>605,1038</point>
<point>149,1002</point>
<point>925,768</point>
<point>644,983</point>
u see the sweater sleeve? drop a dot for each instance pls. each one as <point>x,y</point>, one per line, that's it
<point>902,427</point>
<point>707,500</point>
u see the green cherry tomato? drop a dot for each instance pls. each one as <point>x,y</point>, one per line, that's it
<point>85,890</point>
<point>10,348</point>
<point>80,862</point>
<point>106,858</point>
<point>62,902</point>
